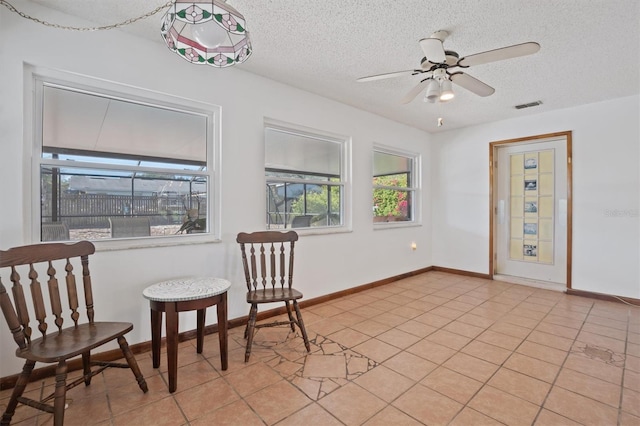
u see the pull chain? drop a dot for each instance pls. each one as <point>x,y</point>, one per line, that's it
<point>104,27</point>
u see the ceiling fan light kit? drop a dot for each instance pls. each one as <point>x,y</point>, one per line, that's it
<point>439,88</point>
<point>433,92</point>
<point>437,69</point>
<point>447,91</point>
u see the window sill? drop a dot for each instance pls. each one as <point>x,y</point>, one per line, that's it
<point>140,243</point>
<point>394,225</point>
<point>318,230</point>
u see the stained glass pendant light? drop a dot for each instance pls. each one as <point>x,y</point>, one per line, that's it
<point>206,32</point>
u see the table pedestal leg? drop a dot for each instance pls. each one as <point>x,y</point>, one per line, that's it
<point>156,330</point>
<point>172,345</point>
<point>222,329</point>
<point>200,329</point>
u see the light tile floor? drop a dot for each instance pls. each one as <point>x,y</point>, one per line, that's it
<point>432,349</point>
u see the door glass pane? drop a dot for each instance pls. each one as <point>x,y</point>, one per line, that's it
<point>531,230</point>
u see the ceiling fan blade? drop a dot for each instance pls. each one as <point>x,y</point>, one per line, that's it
<point>414,92</point>
<point>433,50</point>
<point>500,54</point>
<point>472,84</point>
<point>387,75</point>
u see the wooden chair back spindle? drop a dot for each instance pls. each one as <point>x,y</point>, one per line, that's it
<point>11,317</point>
<point>88,293</point>
<point>21,305</point>
<point>54,296</point>
<point>268,263</point>
<point>38,300</point>
<point>263,268</point>
<point>72,293</point>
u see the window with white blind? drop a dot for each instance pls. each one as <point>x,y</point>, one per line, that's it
<point>112,165</point>
<point>305,177</point>
<point>395,186</point>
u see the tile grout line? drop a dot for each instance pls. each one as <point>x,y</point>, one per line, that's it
<point>624,367</point>
<point>242,398</point>
<point>486,382</point>
<point>389,404</point>
<point>465,405</point>
<point>512,352</point>
<point>562,365</point>
<point>107,397</point>
<point>569,353</point>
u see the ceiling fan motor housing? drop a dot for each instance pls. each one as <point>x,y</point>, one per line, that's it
<point>451,60</point>
<point>440,35</point>
<point>440,74</point>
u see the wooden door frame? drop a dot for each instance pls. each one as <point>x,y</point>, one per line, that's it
<point>493,147</point>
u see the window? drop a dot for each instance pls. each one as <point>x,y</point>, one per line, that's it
<point>112,165</point>
<point>395,186</point>
<point>305,178</point>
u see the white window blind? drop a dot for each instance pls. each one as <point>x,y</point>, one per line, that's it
<point>301,153</point>
<point>80,121</point>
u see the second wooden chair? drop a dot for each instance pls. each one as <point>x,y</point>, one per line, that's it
<point>267,259</point>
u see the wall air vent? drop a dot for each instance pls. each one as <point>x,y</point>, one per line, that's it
<point>529,105</point>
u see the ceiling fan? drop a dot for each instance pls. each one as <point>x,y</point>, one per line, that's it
<point>439,68</point>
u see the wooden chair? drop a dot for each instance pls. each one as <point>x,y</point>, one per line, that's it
<point>60,344</point>
<point>267,259</point>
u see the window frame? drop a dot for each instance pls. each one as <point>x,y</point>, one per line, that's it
<point>414,187</point>
<point>344,180</point>
<point>35,81</point>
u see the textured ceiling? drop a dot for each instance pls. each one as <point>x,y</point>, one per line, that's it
<point>590,50</point>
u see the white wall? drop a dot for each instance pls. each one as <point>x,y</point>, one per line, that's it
<point>325,263</point>
<point>606,192</point>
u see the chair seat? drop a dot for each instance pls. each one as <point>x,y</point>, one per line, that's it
<point>273,295</point>
<point>58,346</point>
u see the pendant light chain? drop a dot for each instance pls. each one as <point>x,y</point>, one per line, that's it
<point>104,27</point>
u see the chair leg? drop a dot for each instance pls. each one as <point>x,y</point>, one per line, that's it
<point>60,394</point>
<point>291,322</point>
<point>21,384</point>
<point>86,368</point>
<point>133,364</point>
<point>251,325</point>
<point>301,325</point>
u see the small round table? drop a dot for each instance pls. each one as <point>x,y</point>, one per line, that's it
<point>180,295</point>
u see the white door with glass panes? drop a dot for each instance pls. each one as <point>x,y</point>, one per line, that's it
<point>531,210</point>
